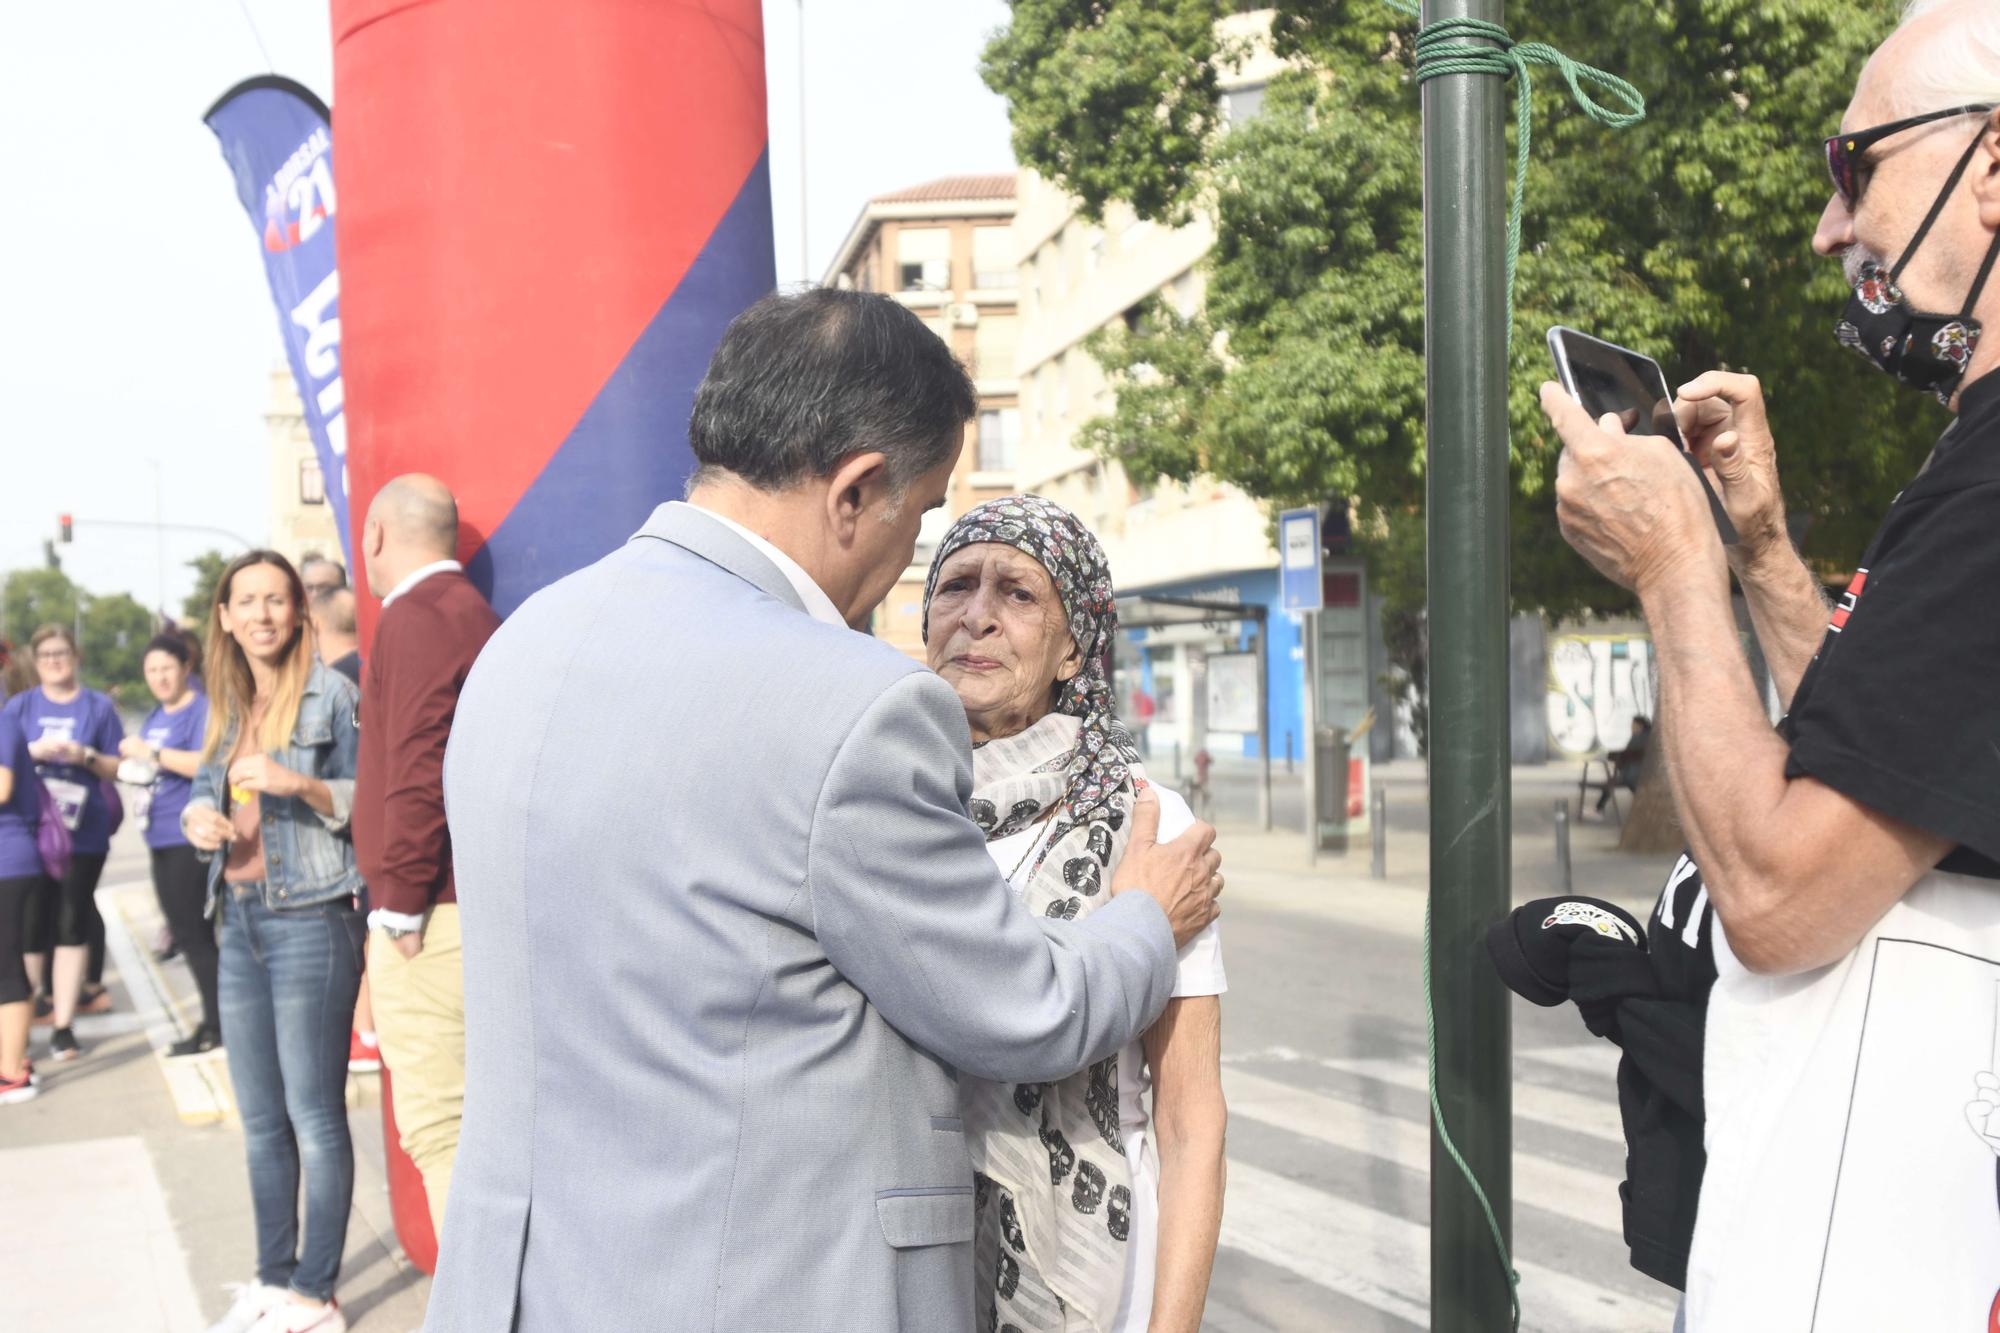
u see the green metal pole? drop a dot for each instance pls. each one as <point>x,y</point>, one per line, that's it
<point>1465,355</point>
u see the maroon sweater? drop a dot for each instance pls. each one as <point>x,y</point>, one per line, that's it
<point>424,647</point>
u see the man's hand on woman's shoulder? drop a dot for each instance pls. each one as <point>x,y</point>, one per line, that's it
<point>1184,875</point>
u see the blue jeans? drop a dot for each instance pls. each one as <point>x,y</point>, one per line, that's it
<point>287,981</point>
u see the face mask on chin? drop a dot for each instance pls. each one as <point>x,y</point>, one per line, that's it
<point>1925,351</point>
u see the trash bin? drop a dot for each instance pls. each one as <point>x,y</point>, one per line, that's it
<point>1330,787</point>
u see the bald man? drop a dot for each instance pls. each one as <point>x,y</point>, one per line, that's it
<point>335,631</point>
<point>434,622</point>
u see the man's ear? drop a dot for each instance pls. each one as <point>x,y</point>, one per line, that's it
<point>372,536</point>
<point>1986,173</point>
<point>860,484</point>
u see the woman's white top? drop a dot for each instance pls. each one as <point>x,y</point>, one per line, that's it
<point>1200,974</point>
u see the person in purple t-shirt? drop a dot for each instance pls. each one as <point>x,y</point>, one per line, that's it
<point>73,734</point>
<point>21,878</point>
<point>169,743</point>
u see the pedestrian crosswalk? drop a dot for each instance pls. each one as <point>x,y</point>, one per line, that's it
<point>1362,1233</point>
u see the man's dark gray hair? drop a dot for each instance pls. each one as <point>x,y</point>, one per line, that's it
<point>805,379</point>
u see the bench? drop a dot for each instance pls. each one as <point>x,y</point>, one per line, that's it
<point>1600,776</point>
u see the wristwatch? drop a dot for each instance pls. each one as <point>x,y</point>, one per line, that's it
<point>397,932</point>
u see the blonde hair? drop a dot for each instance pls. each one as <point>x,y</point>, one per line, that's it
<point>232,690</point>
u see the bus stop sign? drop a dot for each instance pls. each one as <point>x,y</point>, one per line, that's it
<point>1299,560</point>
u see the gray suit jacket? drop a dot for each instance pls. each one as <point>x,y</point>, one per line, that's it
<point>728,935</point>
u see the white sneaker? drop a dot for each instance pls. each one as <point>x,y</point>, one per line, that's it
<point>288,1316</point>
<point>253,1300</point>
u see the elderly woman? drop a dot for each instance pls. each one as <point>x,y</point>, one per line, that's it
<point>1092,1214</point>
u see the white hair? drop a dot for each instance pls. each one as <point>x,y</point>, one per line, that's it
<point>1959,63</point>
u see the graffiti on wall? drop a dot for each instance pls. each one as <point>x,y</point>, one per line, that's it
<point>1597,684</point>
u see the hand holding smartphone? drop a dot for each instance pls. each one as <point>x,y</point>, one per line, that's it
<point>1605,378</point>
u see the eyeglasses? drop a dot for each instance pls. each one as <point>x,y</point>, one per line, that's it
<point>1843,151</point>
<point>56,655</point>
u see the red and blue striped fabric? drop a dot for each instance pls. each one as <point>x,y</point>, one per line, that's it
<point>549,213</point>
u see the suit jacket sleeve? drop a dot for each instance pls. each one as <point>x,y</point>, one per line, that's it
<point>910,908</point>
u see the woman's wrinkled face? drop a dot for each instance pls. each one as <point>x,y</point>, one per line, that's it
<point>166,677</point>
<point>999,636</point>
<point>260,613</point>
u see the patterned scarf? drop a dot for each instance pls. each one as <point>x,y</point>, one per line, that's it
<point>1053,1191</point>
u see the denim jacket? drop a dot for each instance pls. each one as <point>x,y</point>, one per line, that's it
<point>308,857</point>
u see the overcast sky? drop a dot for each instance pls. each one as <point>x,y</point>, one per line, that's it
<point>135,323</point>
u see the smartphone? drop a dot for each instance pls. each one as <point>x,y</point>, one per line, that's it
<point>1604,377</point>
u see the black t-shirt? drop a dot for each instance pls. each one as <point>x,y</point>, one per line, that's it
<point>1900,709</point>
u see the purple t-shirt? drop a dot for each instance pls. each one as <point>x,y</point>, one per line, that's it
<point>23,811</point>
<point>172,731</point>
<point>89,719</point>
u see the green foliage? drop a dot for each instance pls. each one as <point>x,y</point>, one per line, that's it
<point>114,629</point>
<point>207,567</point>
<point>1686,236</point>
<point>32,598</point>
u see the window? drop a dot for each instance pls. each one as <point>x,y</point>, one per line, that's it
<point>1062,369</point>
<point>993,347</point>
<point>993,258</point>
<point>999,432</point>
<point>923,259</point>
<point>1094,252</point>
<point>312,482</point>
<point>1240,105</point>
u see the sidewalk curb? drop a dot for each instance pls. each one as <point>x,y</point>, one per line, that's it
<point>200,1085</point>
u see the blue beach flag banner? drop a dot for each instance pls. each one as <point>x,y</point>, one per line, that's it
<point>276,137</point>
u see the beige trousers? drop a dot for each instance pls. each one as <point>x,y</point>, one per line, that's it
<point>420,1019</point>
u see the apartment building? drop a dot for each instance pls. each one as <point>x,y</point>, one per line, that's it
<point>1206,542</point>
<point>301,518</point>
<point>945,249</point>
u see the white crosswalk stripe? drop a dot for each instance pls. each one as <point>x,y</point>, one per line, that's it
<point>1553,1106</point>
<point>1378,1258</point>
<point>1582,1196</point>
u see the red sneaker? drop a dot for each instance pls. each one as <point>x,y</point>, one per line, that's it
<point>364,1053</point>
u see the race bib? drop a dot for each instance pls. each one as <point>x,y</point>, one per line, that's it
<point>71,798</point>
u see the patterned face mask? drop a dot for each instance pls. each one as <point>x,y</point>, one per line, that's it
<point>1924,351</point>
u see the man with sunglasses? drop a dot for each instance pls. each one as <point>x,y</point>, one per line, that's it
<point>1852,856</point>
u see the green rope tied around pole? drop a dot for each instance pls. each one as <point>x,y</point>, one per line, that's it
<point>1472,46</point>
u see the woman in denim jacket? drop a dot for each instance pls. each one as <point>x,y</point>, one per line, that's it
<point>269,810</point>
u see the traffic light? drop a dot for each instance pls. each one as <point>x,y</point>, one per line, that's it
<point>63,522</point>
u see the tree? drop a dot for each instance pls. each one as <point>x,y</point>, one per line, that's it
<point>207,567</point>
<point>116,630</point>
<point>32,598</point>
<point>1302,378</point>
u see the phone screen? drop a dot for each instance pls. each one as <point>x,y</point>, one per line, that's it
<point>1608,378</point>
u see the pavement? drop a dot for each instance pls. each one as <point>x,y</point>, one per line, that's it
<point>128,1206</point>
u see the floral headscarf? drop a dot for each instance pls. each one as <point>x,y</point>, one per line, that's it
<point>1075,562</point>
<point>1052,1189</point>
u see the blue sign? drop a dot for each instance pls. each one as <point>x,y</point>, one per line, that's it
<point>1299,585</point>
<point>276,138</point>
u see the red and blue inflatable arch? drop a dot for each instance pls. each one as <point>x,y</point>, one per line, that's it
<point>549,212</point>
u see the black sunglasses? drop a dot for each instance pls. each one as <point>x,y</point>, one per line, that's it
<point>1843,151</point>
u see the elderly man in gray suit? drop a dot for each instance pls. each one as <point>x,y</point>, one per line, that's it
<point>728,931</point>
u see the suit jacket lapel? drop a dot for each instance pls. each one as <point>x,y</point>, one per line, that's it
<point>689,528</point>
